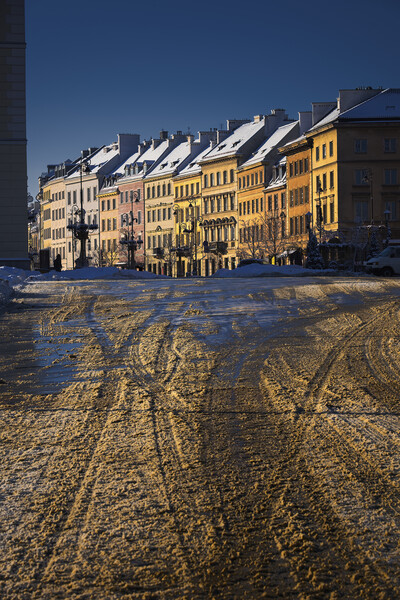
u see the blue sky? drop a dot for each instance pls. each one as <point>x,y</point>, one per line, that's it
<point>96,68</point>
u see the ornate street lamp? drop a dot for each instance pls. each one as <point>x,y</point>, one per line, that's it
<point>368,179</point>
<point>319,210</point>
<point>80,229</point>
<point>128,239</point>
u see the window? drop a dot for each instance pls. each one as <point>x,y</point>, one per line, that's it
<point>283,200</point>
<point>332,212</point>
<point>324,181</point>
<point>269,203</point>
<point>205,181</point>
<point>323,150</point>
<point>392,208</point>
<point>361,177</point>
<point>225,202</point>
<point>114,201</point>
<point>361,211</point>
<point>74,196</point>
<point>390,145</point>
<point>330,148</point>
<point>296,197</point>
<point>69,197</point>
<point>317,153</point>
<point>360,146</point>
<point>218,178</point>
<point>232,173</point>
<point>211,179</point>
<point>291,170</point>
<point>295,167</point>
<point>225,177</point>
<point>306,195</point>
<point>88,194</point>
<point>114,224</point>
<point>305,165</point>
<point>331,179</point>
<point>291,198</point>
<point>390,176</point>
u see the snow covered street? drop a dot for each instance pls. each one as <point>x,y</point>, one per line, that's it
<point>206,438</point>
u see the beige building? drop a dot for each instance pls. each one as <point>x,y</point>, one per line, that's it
<point>13,174</point>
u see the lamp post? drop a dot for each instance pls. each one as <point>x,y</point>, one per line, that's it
<point>130,241</point>
<point>194,221</point>
<point>319,210</point>
<point>178,247</point>
<point>387,214</point>
<point>368,179</point>
<point>80,230</point>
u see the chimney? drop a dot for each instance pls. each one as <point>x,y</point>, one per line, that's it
<point>349,98</point>
<point>84,153</point>
<point>258,118</point>
<point>305,121</point>
<point>321,109</point>
<point>163,134</point>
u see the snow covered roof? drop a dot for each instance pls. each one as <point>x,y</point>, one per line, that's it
<point>129,161</point>
<point>383,106</point>
<point>234,143</point>
<point>97,160</point>
<point>194,166</point>
<point>172,160</point>
<point>271,143</point>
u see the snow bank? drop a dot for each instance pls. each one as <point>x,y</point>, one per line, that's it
<point>95,273</point>
<point>257,270</point>
<point>12,279</point>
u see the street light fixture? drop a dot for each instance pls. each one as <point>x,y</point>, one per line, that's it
<point>129,240</point>
<point>368,179</point>
<point>80,230</point>
<point>319,210</point>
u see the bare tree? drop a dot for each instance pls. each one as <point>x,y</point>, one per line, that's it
<point>263,236</point>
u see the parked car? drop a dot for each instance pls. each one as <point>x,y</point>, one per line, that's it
<point>252,261</point>
<point>387,263</point>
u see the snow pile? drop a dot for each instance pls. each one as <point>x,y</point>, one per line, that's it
<point>257,270</point>
<point>10,278</point>
<point>95,273</point>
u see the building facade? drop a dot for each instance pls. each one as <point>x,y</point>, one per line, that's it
<point>13,170</point>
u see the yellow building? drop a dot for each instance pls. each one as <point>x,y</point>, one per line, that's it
<point>262,197</point>
<point>161,247</point>
<point>356,168</point>
<point>188,220</point>
<point>109,233</point>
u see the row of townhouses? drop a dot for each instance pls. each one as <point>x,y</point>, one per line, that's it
<point>178,205</point>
